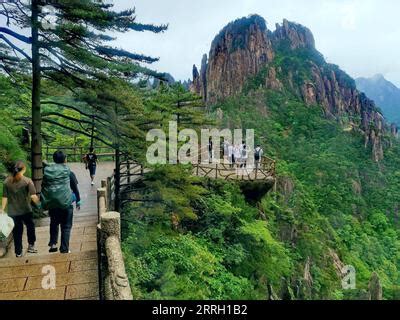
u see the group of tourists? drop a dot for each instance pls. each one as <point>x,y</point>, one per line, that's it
<point>58,196</point>
<point>237,155</point>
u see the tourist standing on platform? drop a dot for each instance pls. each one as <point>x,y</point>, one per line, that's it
<point>91,161</point>
<point>237,155</point>
<point>18,193</point>
<point>231,156</point>
<point>225,151</point>
<point>210,150</point>
<point>244,156</point>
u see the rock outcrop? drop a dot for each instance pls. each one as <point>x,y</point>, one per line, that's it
<point>245,47</point>
<point>241,49</point>
<point>336,92</point>
<point>297,35</point>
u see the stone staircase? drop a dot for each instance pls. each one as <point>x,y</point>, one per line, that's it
<point>76,274</point>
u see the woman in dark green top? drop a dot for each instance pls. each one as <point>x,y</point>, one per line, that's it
<point>18,193</point>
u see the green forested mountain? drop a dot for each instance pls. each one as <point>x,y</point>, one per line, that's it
<point>337,197</point>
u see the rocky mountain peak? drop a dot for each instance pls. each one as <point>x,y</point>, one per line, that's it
<point>240,49</point>
<point>245,47</point>
<point>297,35</point>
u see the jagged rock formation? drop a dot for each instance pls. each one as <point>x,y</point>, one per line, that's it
<point>336,92</point>
<point>241,49</point>
<point>167,79</point>
<point>297,35</point>
<point>245,47</point>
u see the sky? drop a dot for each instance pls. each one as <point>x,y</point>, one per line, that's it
<point>361,36</point>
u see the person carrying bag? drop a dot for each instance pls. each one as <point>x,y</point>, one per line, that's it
<point>18,193</point>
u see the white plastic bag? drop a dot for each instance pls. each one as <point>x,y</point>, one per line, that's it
<point>6,226</point>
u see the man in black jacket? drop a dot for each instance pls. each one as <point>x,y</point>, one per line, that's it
<point>63,217</point>
<point>91,164</point>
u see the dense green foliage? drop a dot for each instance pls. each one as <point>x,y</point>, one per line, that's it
<point>339,198</point>
<point>11,101</point>
<point>218,250</point>
<point>203,240</point>
<point>334,206</point>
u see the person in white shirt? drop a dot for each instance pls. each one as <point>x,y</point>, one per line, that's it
<point>225,151</point>
<point>244,156</point>
<point>237,155</point>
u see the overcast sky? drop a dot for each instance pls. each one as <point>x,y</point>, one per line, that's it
<point>361,36</point>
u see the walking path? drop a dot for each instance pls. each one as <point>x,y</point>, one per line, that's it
<point>76,273</point>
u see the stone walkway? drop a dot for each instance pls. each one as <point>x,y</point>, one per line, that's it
<point>76,273</point>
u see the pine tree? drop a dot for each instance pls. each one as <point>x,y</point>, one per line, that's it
<point>72,53</point>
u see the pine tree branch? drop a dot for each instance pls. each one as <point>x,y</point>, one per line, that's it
<point>114,52</point>
<point>73,108</point>
<point>16,35</point>
<point>14,47</point>
<point>76,131</point>
<point>53,113</point>
<point>147,27</point>
<point>49,77</point>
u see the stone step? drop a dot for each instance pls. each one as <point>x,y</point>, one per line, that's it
<point>71,278</point>
<point>85,291</point>
<point>48,258</point>
<point>82,222</point>
<point>40,294</point>
<point>76,273</point>
<point>43,248</point>
<point>34,270</point>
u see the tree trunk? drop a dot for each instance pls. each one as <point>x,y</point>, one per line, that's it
<point>117,180</point>
<point>36,146</point>
<point>92,134</point>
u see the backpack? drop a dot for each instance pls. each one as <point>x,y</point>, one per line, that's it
<point>257,154</point>
<point>244,153</point>
<point>56,190</point>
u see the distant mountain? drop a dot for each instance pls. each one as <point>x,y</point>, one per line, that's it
<point>385,94</point>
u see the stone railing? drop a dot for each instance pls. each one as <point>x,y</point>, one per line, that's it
<point>114,284</point>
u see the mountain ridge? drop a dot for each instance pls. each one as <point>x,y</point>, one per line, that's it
<point>287,58</point>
